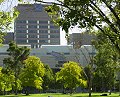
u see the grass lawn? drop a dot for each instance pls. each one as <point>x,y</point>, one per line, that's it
<point>64,95</point>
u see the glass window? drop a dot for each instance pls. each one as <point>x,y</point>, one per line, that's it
<point>32,31</point>
<point>54,36</point>
<point>32,21</point>
<point>54,31</point>
<point>32,26</point>
<point>43,41</point>
<point>53,27</point>
<point>20,31</point>
<point>43,22</point>
<point>21,41</point>
<point>32,41</point>
<point>43,36</point>
<point>20,35</point>
<point>20,21</point>
<point>21,26</point>
<point>43,26</point>
<point>32,36</point>
<point>43,31</point>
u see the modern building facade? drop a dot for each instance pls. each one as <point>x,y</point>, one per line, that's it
<point>79,39</point>
<point>8,37</point>
<point>34,27</point>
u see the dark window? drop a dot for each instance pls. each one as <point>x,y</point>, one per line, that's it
<point>54,36</point>
<point>43,22</point>
<point>32,41</point>
<point>21,41</point>
<point>43,31</point>
<point>32,21</point>
<point>32,31</point>
<point>43,36</point>
<point>20,21</point>
<point>32,36</point>
<point>20,35</point>
<point>53,27</point>
<point>20,31</point>
<point>21,26</point>
<point>54,31</point>
<point>43,26</point>
<point>32,26</point>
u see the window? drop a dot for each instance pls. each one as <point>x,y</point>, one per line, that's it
<point>20,31</point>
<point>20,35</point>
<point>43,31</point>
<point>54,36</point>
<point>54,31</point>
<point>32,26</point>
<point>32,31</point>
<point>21,26</point>
<point>20,21</point>
<point>43,26</point>
<point>43,36</point>
<point>32,21</point>
<point>21,41</point>
<point>43,22</point>
<point>53,27</point>
<point>32,36</point>
<point>43,41</point>
<point>32,41</point>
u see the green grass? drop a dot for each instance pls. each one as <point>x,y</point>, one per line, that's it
<point>63,95</point>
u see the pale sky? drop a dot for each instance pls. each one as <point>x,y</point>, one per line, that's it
<point>11,3</point>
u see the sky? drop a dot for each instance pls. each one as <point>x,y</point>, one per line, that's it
<point>9,4</point>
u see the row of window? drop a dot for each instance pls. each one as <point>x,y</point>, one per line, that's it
<point>36,36</point>
<point>32,21</point>
<point>35,31</point>
<point>32,41</point>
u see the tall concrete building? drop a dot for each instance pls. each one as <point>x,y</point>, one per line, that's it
<point>8,37</point>
<point>34,27</point>
<point>79,39</point>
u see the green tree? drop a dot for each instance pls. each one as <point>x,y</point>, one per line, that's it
<point>88,14</point>
<point>14,62</point>
<point>32,73</point>
<point>6,80</point>
<point>106,61</point>
<point>48,78</point>
<point>71,76</point>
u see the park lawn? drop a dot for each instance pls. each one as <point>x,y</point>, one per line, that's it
<point>63,95</point>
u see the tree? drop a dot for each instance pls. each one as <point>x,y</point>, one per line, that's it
<point>88,14</point>
<point>6,80</point>
<point>106,61</point>
<point>48,78</point>
<point>14,63</point>
<point>32,73</point>
<point>71,75</point>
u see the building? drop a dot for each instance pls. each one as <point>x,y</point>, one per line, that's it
<point>79,39</point>
<point>4,53</point>
<point>8,37</point>
<point>56,55</point>
<point>34,27</point>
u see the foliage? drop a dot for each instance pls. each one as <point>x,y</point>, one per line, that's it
<point>106,61</point>
<point>48,78</point>
<point>14,62</point>
<point>88,14</point>
<point>71,75</point>
<point>6,80</point>
<point>32,73</point>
